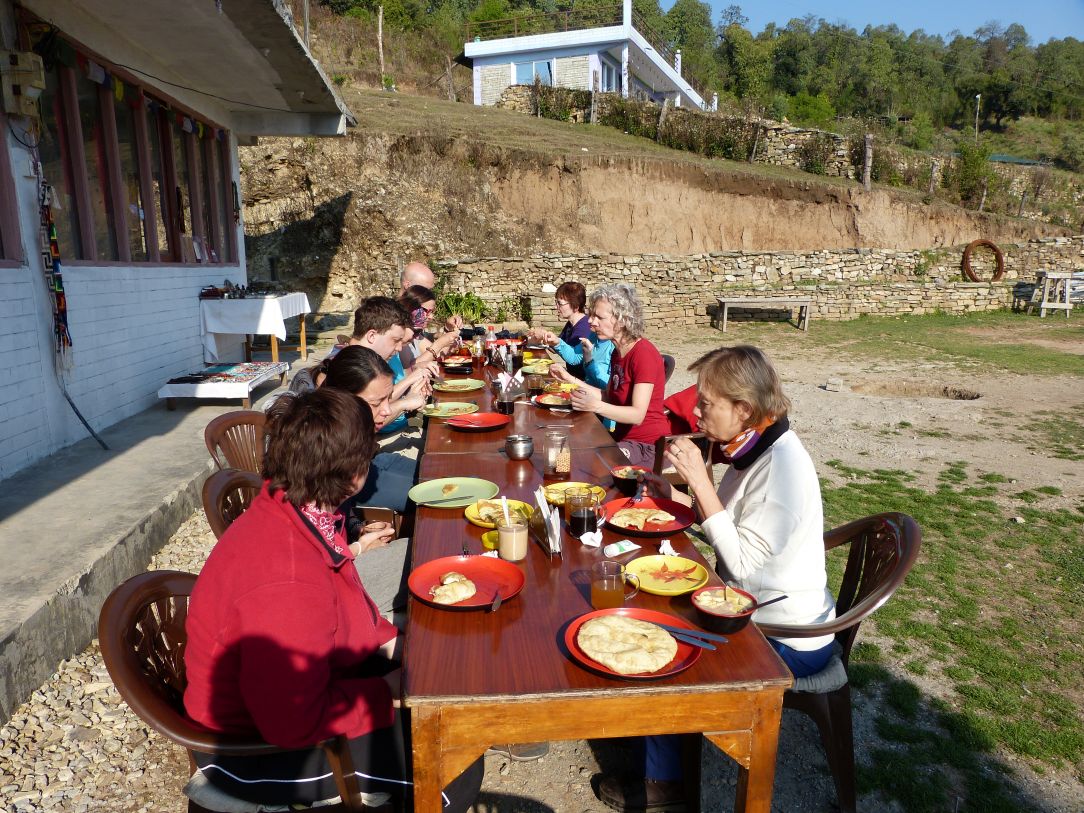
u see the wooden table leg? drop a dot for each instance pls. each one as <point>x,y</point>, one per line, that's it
<point>302,335</point>
<point>425,743</point>
<point>754,791</point>
<point>274,347</point>
<point>725,309</point>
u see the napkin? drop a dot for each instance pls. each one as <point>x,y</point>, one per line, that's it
<point>492,554</point>
<point>666,549</point>
<point>592,539</point>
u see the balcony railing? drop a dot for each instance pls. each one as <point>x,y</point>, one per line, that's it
<point>575,19</point>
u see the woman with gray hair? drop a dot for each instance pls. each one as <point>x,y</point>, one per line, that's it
<point>634,395</point>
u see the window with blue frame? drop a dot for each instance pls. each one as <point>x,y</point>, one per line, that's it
<point>527,71</point>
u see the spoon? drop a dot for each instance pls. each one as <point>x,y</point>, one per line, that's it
<point>770,601</point>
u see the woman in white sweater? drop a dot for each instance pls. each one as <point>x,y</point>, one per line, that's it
<point>765,523</point>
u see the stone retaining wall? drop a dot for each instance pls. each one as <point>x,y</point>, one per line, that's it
<point>842,284</point>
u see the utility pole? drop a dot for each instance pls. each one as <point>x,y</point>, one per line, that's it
<point>978,98</point>
<point>380,44</point>
<point>306,16</point>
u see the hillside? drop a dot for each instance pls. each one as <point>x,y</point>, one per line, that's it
<point>421,177</point>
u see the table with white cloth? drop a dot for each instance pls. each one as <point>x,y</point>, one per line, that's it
<point>250,316</point>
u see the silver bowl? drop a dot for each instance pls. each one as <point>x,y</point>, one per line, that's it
<point>519,447</point>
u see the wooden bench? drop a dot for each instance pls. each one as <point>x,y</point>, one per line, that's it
<point>776,302</point>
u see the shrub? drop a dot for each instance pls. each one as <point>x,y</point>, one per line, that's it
<point>559,103</point>
<point>815,111</point>
<point>970,172</point>
<point>1071,152</point>
<point>815,153</point>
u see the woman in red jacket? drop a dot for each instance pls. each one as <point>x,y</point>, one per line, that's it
<point>283,640</point>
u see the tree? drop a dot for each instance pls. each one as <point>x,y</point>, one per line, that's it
<point>731,15</point>
<point>815,111</point>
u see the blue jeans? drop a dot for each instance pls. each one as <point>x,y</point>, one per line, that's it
<point>662,753</point>
<point>390,478</point>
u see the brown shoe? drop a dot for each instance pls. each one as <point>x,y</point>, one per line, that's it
<point>640,795</point>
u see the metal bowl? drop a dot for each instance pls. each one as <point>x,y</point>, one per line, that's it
<point>519,447</point>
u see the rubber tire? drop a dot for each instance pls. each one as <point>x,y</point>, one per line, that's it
<point>998,256</point>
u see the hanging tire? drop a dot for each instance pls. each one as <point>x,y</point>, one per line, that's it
<point>998,256</point>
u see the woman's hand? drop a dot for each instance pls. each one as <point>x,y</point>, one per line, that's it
<point>561,373</point>
<point>588,349</point>
<point>375,535</point>
<point>550,339</point>
<point>443,344</point>
<point>453,323</point>
<point>656,486</point>
<point>586,398</point>
<point>686,457</point>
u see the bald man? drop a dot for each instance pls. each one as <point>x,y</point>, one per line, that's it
<point>416,273</point>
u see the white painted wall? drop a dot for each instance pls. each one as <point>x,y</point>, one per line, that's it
<point>133,328</point>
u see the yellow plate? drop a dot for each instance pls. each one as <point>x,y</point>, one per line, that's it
<point>489,540</point>
<point>682,575</point>
<point>514,507</point>
<point>448,409</point>
<point>555,493</point>
<point>536,368</point>
<point>462,385</point>
<point>561,386</point>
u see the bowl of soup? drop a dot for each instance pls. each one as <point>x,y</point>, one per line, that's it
<point>625,478</point>
<point>723,609</point>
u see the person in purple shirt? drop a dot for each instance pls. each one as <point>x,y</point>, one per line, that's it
<point>571,301</point>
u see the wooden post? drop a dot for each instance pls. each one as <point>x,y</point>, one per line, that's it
<point>933,176</point>
<point>867,164</point>
<point>451,87</point>
<point>305,12</point>
<point>982,201</point>
<point>756,142</point>
<point>1023,197</point>
<point>380,41</point>
<point>662,118</point>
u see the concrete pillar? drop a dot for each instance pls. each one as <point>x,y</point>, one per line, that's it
<point>625,65</point>
<point>714,102</point>
<point>677,61</point>
<point>626,15</point>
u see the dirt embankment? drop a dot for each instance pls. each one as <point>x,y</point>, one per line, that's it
<point>335,217</point>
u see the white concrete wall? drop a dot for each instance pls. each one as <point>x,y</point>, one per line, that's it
<point>133,327</point>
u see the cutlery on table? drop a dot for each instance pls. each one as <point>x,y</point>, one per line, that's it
<point>466,550</point>
<point>690,633</point>
<point>496,605</point>
<point>693,640</point>
<point>446,499</point>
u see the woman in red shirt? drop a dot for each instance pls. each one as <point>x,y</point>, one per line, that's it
<point>283,640</point>
<point>633,399</point>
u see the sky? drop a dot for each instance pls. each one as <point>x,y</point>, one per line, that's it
<point>1043,19</point>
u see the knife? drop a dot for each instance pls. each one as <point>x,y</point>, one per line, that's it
<point>710,636</point>
<point>496,605</point>
<point>690,639</point>
<point>449,499</point>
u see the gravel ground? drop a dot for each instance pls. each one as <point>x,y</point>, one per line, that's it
<point>74,746</point>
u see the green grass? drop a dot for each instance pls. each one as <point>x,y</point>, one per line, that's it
<point>978,342</point>
<point>1060,434</point>
<point>1005,640</point>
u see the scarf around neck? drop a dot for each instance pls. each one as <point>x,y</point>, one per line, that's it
<point>744,449</point>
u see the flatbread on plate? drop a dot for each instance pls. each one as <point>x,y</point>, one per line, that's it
<point>626,645</point>
<point>639,517</point>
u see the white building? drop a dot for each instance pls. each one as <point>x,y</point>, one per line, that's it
<point>143,108</point>
<point>593,48</point>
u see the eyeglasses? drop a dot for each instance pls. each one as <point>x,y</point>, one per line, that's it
<point>561,304</point>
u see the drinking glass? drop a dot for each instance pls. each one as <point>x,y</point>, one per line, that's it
<point>506,403</point>
<point>608,582</point>
<point>584,510</point>
<point>512,540</point>
<point>558,456</point>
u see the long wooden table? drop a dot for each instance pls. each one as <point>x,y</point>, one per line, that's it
<point>477,678</point>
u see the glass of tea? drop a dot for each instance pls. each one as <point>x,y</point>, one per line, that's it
<point>536,384</point>
<point>584,508</point>
<point>608,583</point>
<point>506,403</point>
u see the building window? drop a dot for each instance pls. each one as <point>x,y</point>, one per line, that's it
<point>611,77</point>
<point>527,71</point>
<point>134,179</point>
<point>55,154</point>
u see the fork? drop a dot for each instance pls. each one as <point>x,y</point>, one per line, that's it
<point>639,495</point>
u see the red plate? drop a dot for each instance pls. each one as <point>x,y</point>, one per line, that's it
<point>487,573</point>
<point>478,422</point>
<point>686,656</point>
<point>566,401</point>
<point>684,516</point>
